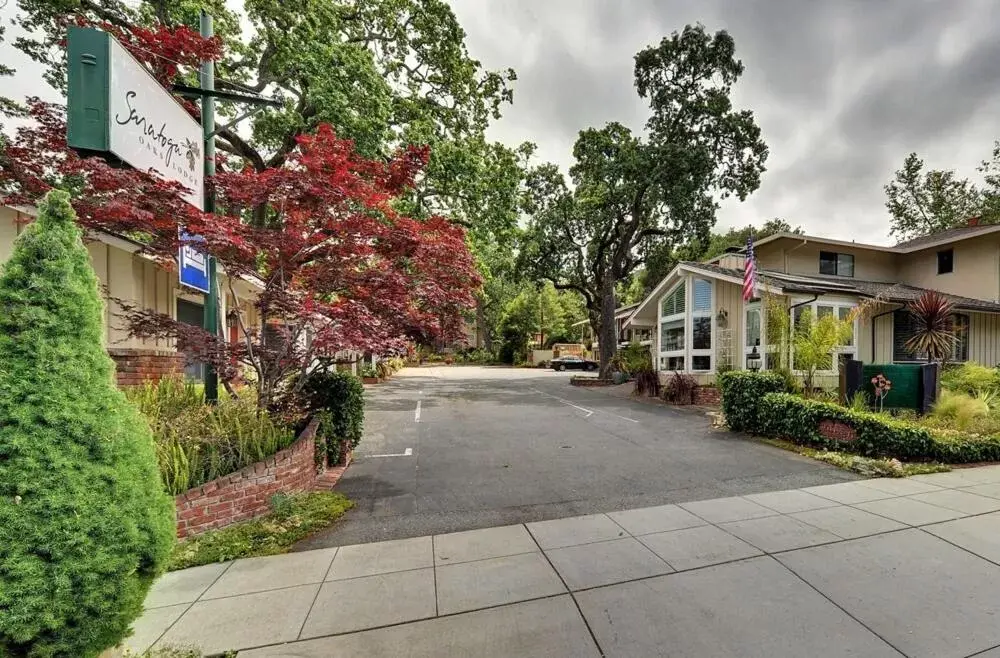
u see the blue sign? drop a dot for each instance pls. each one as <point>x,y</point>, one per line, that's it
<point>193,263</point>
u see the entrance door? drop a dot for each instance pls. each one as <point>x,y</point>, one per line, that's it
<point>193,314</point>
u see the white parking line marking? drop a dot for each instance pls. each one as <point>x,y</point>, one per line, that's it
<point>589,411</point>
<point>406,453</point>
<point>416,414</point>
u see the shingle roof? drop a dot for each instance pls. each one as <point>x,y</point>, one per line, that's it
<point>944,236</point>
<point>890,292</point>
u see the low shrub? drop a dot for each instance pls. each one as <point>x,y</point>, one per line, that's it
<point>647,383</point>
<point>788,416</point>
<point>959,409</point>
<point>338,399</point>
<point>680,389</point>
<point>793,418</point>
<point>742,393</point>
<point>197,443</point>
<point>970,378</point>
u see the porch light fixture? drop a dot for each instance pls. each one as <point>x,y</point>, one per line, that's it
<point>753,360</point>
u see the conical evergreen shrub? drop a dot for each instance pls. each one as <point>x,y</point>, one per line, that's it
<point>85,525</point>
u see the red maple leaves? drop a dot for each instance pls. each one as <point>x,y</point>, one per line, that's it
<point>336,266</point>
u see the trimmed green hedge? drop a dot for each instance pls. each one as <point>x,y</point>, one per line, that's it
<point>742,393</point>
<point>758,404</point>
<point>796,419</point>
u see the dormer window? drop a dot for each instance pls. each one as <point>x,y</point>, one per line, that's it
<point>946,261</point>
<point>836,264</point>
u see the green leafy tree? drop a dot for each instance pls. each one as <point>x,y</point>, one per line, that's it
<point>660,262</point>
<point>85,525</point>
<point>632,194</point>
<point>924,202</point>
<point>8,106</point>
<point>814,342</point>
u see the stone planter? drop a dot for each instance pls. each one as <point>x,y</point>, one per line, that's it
<point>590,381</point>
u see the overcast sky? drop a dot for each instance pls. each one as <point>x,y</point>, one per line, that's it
<point>842,89</point>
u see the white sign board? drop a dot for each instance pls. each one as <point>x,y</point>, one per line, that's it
<point>150,129</point>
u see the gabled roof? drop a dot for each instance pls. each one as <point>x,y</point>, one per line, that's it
<point>779,282</point>
<point>822,284</point>
<point>943,237</point>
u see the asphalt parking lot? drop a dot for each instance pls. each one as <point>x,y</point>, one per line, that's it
<point>463,447</point>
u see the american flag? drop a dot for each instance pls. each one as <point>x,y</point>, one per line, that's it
<point>749,272</point>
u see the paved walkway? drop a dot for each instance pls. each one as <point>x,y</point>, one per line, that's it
<point>870,568</point>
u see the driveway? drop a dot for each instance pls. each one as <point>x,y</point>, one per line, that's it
<point>461,448</point>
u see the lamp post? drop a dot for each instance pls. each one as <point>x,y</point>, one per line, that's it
<point>753,360</point>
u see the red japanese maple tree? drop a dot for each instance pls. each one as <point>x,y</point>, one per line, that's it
<point>336,266</point>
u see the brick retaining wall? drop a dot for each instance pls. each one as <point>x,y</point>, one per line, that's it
<point>135,366</point>
<point>247,493</point>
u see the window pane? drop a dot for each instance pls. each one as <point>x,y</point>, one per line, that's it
<point>845,264</point>
<point>823,311</point>
<point>827,262</point>
<point>702,295</point>
<point>903,327</point>
<point>701,363</point>
<point>753,327</point>
<point>946,261</point>
<point>671,363</point>
<point>773,361</point>
<point>672,335</point>
<point>843,313</point>
<point>961,329</point>
<point>673,303</point>
<point>701,330</point>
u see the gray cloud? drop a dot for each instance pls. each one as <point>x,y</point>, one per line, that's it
<point>843,91</point>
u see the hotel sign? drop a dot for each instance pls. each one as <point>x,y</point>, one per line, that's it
<point>116,107</point>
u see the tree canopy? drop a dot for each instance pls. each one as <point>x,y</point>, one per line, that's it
<point>924,201</point>
<point>632,195</point>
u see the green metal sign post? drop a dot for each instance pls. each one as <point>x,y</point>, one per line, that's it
<point>208,127</point>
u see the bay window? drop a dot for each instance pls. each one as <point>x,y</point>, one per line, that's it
<point>686,327</point>
<point>840,311</point>
<point>672,325</point>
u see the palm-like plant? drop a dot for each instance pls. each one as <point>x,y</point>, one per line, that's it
<point>934,331</point>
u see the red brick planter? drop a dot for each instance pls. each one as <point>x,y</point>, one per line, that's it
<point>370,380</point>
<point>247,493</point>
<point>709,396</point>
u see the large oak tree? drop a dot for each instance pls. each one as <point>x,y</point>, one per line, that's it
<point>631,194</point>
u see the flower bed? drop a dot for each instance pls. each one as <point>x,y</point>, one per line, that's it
<point>247,493</point>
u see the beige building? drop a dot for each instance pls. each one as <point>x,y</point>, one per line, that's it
<point>127,274</point>
<point>702,322</point>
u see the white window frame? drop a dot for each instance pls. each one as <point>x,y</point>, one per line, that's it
<point>758,308</point>
<point>710,314</point>
<point>813,305</point>
<point>661,319</point>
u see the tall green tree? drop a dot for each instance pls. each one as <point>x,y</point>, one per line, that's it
<point>8,106</point>
<point>921,202</point>
<point>85,523</point>
<point>633,194</point>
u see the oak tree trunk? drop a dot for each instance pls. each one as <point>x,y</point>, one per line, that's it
<point>607,337</point>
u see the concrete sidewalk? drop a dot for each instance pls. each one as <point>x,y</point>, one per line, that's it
<point>870,568</point>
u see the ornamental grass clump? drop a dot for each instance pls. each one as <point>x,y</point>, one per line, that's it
<point>85,525</point>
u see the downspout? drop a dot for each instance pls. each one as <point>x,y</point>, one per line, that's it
<point>876,317</point>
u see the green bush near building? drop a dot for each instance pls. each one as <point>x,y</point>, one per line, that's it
<point>742,393</point>
<point>85,525</point>
<point>338,400</point>
<point>778,415</point>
